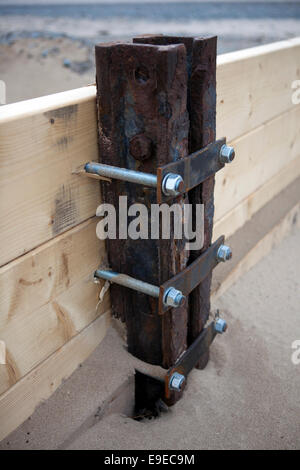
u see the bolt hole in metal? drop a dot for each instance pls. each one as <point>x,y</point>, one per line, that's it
<point>141,75</point>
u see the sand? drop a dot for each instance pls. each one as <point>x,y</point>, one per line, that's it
<point>50,48</point>
<point>41,66</point>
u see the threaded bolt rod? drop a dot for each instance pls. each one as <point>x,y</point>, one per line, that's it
<point>138,177</point>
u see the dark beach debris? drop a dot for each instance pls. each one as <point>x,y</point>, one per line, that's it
<point>67,63</point>
<point>79,67</point>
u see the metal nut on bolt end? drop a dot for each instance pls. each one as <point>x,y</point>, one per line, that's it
<point>176,381</point>
<point>220,326</point>
<point>172,184</point>
<point>174,298</point>
<point>227,154</point>
<point>224,253</point>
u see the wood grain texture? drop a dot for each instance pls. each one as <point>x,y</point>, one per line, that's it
<point>19,402</point>
<point>260,155</point>
<point>42,142</point>
<point>48,296</point>
<point>254,86</point>
<point>246,209</point>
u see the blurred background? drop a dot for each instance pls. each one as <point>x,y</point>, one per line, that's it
<point>47,46</point>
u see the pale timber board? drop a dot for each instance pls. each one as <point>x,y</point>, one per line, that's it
<point>260,155</point>
<point>255,85</point>
<point>240,214</point>
<point>19,402</point>
<point>48,296</point>
<point>42,142</point>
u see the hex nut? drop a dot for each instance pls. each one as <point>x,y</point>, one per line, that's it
<point>224,253</point>
<point>220,326</point>
<point>172,184</point>
<point>227,154</point>
<point>174,298</point>
<point>176,381</point>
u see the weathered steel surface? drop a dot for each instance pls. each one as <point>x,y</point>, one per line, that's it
<point>192,355</point>
<point>149,392</point>
<point>143,123</point>
<point>194,169</point>
<point>202,132</point>
<point>188,279</point>
<point>201,66</point>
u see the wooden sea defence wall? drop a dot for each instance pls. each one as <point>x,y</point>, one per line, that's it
<point>51,317</point>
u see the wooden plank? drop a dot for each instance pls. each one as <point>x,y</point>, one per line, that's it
<point>260,155</point>
<point>48,296</point>
<point>42,142</point>
<point>240,214</point>
<point>19,402</point>
<point>254,86</point>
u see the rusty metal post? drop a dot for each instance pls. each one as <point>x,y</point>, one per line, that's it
<point>201,65</point>
<point>143,123</point>
<point>202,133</point>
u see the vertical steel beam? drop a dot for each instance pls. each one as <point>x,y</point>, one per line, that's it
<point>143,123</point>
<point>202,132</point>
<point>201,67</point>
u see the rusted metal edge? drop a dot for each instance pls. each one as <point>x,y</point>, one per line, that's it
<point>185,281</point>
<point>194,169</point>
<point>192,355</point>
<point>192,275</point>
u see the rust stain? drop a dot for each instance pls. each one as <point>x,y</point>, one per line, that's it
<point>65,321</point>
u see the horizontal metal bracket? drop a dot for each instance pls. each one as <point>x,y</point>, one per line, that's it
<point>172,179</point>
<point>192,275</point>
<point>172,293</point>
<point>194,169</point>
<point>191,356</point>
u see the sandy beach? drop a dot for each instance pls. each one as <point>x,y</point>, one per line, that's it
<point>49,48</point>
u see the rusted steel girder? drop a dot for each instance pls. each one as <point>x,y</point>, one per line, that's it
<point>143,123</point>
<point>201,67</point>
<point>156,104</point>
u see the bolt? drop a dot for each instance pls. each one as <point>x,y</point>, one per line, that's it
<point>224,253</point>
<point>220,326</point>
<point>176,381</point>
<point>140,147</point>
<point>174,298</point>
<point>227,154</point>
<point>172,184</point>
